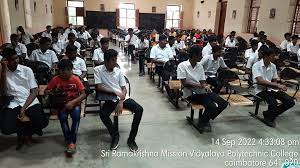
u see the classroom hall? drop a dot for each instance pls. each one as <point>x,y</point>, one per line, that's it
<point>149,83</point>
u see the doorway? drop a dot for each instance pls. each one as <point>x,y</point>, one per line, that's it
<point>222,18</point>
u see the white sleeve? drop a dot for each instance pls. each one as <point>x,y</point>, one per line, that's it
<point>97,75</point>
<point>227,42</point>
<point>122,80</point>
<point>202,76</point>
<point>289,49</point>
<point>250,62</point>
<point>95,55</point>
<point>275,74</point>
<point>83,66</point>
<point>89,35</point>
<point>256,72</point>
<point>43,34</point>
<point>32,56</point>
<point>127,38</point>
<point>23,49</point>
<point>203,61</point>
<point>222,63</point>
<point>54,57</point>
<point>153,53</point>
<point>181,73</point>
<point>31,80</point>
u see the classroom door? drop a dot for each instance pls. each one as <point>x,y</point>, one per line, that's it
<point>222,18</point>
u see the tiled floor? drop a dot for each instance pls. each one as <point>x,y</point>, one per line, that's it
<point>163,128</point>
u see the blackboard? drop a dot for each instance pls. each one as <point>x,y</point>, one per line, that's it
<point>101,20</point>
<point>151,21</point>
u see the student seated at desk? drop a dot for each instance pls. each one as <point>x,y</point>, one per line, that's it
<point>109,79</point>
<point>211,64</point>
<point>171,44</point>
<point>179,44</point>
<point>255,58</point>
<point>262,40</point>
<point>18,47</point>
<point>266,86</point>
<point>143,45</point>
<point>44,54</point>
<point>48,32</point>
<point>75,93</point>
<point>132,40</point>
<point>253,50</point>
<point>25,37</point>
<point>69,30</point>
<point>98,55</point>
<point>79,66</point>
<point>18,81</point>
<point>72,41</point>
<point>284,43</point>
<point>57,45</point>
<point>293,47</point>
<point>191,74</point>
<point>160,54</point>
<point>231,42</point>
<point>207,50</point>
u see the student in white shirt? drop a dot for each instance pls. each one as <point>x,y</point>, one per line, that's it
<point>160,54</point>
<point>255,58</point>
<point>207,50</point>
<point>25,37</point>
<point>57,45</point>
<point>72,41</point>
<point>110,80</point>
<point>98,55</point>
<point>84,35</point>
<point>48,32</point>
<point>132,41</point>
<point>18,47</point>
<point>285,42</point>
<point>44,54</point>
<point>293,47</point>
<point>253,50</point>
<point>70,29</point>
<point>143,45</point>
<point>230,42</point>
<point>211,64</point>
<point>18,81</point>
<point>79,66</point>
<point>263,41</point>
<point>192,76</point>
<point>266,86</point>
<point>179,44</point>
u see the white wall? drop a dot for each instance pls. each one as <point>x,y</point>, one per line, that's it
<point>203,22</point>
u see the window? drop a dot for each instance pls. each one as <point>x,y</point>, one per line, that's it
<point>253,16</point>
<point>296,20</point>
<point>173,16</point>
<point>76,12</point>
<point>127,15</point>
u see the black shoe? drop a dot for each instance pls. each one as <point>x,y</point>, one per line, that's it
<point>114,143</point>
<point>207,127</point>
<point>38,132</point>
<point>132,146</point>
<point>269,122</point>
<point>200,126</point>
<point>141,74</point>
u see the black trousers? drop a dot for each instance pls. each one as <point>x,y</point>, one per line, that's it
<point>130,104</point>
<point>213,104</point>
<point>131,48</point>
<point>141,62</point>
<point>87,87</point>
<point>216,83</point>
<point>271,98</point>
<point>9,122</point>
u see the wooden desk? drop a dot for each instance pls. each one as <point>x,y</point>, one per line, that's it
<point>237,100</point>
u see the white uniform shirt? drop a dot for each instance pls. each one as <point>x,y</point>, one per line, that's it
<point>207,50</point>
<point>187,72</point>
<point>68,30</point>
<point>85,35</point>
<point>58,47</point>
<point>284,44</point>
<point>251,61</point>
<point>173,48</point>
<point>161,54</point>
<point>230,43</point>
<point>261,44</point>
<point>26,38</point>
<point>19,84</point>
<point>49,57</point>
<point>113,80</point>
<point>180,45</point>
<point>133,41</point>
<point>292,48</point>
<point>76,43</point>
<point>98,55</point>
<point>20,49</point>
<point>46,34</point>
<point>144,44</point>
<point>211,66</point>
<point>79,66</point>
<point>267,73</point>
<point>249,53</point>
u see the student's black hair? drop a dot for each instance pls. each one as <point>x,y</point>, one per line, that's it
<point>109,54</point>
<point>255,34</point>
<point>261,33</point>
<point>233,32</point>
<point>216,48</point>
<point>287,34</point>
<point>48,26</point>
<point>65,64</point>
<point>44,40</point>
<point>71,35</point>
<point>268,52</point>
<point>54,34</point>
<point>8,53</point>
<point>263,49</point>
<point>104,40</point>
<point>171,38</point>
<point>20,27</point>
<point>13,36</point>
<point>254,42</point>
<point>195,50</point>
<point>295,37</point>
<point>212,39</point>
<point>162,37</point>
<point>130,29</point>
<point>71,48</point>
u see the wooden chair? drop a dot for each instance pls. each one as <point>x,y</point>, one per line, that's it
<point>174,89</point>
<point>191,118</point>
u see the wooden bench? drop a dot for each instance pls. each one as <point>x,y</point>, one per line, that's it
<point>191,119</point>
<point>237,100</point>
<point>243,84</point>
<point>238,71</point>
<point>125,112</point>
<point>173,88</point>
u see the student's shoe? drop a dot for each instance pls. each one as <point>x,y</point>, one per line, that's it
<point>38,132</point>
<point>207,127</point>
<point>71,149</point>
<point>200,126</point>
<point>114,143</point>
<point>142,74</point>
<point>132,146</point>
<point>269,122</point>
